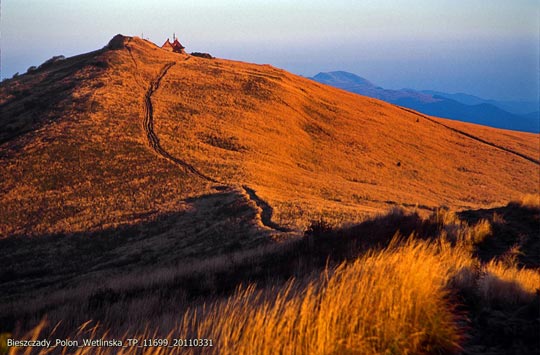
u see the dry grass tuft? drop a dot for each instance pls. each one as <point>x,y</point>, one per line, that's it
<point>506,284</point>
<point>457,230</point>
<point>530,200</point>
<point>412,296</point>
<point>478,232</point>
<point>390,301</point>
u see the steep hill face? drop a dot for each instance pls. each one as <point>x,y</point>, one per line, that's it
<point>132,133</point>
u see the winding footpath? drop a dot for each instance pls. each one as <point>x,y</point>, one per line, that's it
<point>266,210</point>
<point>153,140</point>
<point>148,124</point>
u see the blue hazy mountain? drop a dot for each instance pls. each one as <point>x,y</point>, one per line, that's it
<point>462,107</point>
<point>515,107</point>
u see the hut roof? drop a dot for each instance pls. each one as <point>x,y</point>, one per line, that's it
<point>177,44</point>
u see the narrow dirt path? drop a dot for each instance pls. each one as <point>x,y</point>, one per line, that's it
<point>267,210</point>
<point>148,124</point>
<point>153,141</point>
<point>493,145</point>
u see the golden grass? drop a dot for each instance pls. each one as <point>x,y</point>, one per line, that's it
<point>392,301</point>
<point>398,300</point>
<point>530,200</point>
<point>479,232</point>
<point>508,283</point>
<point>286,137</point>
<point>457,230</point>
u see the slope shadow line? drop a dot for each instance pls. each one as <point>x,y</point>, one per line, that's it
<point>526,157</point>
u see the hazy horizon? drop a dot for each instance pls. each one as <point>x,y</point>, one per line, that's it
<point>488,49</point>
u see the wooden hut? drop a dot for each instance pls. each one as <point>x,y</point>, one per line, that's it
<point>174,46</point>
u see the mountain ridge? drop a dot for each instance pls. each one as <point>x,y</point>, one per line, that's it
<point>463,107</point>
<point>515,107</point>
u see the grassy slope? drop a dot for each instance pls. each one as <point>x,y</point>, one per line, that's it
<point>306,148</point>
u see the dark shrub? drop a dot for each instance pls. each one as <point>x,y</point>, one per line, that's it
<point>49,62</point>
<point>117,42</point>
<point>202,55</point>
<point>103,297</point>
<point>319,228</point>
<point>31,70</point>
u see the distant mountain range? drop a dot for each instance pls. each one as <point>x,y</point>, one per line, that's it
<point>513,115</point>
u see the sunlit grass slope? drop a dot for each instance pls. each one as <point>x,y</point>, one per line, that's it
<point>76,158</point>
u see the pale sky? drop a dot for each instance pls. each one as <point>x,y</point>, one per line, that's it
<point>488,48</point>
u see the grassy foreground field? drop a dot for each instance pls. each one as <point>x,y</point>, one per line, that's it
<point>436,291</point>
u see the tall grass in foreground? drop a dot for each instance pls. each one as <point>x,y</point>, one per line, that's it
<point>393,301</point>
<point>508,284</point>
<point>419,295</point>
